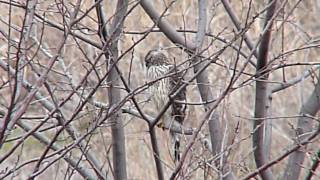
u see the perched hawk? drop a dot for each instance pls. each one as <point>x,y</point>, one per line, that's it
<point>158,66</point>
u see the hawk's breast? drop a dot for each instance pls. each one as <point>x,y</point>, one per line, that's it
<point>161,88</point>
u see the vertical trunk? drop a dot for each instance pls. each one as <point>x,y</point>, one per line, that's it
<point>268,126</point>
<point>309,108</point>
<point>114,94</point>
<point>118,138</point>
<point>156,153</point>
<point>261,98</point>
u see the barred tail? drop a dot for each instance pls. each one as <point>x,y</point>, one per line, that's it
<point>176,146</point>
<point>177,151</point>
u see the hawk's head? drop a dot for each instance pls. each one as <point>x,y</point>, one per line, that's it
<point>156,58</point>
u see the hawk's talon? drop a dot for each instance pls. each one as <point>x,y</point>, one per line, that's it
<point>161,125</point>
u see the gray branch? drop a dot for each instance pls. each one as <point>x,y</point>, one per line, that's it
<point>165,26</point>
<point>293,81</point>
<point>237,24</point>
<point>113,79</point>
<point>304,127</point>
<point>83,171</point>
<point>174,127</point>
<point>262,95</point>
<point>50,107</point>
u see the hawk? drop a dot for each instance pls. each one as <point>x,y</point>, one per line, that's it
<point>158,66</point>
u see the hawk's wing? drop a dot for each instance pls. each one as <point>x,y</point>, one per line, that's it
<point>178,108</point>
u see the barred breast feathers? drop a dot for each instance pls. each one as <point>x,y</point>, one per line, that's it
<point>159,89</point>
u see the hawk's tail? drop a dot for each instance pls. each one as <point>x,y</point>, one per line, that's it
<point>176,146</point>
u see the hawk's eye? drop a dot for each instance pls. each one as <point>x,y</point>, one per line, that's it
<point>148,63</point>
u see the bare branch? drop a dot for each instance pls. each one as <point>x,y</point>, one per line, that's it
<point>32,93</point>
<point>51,108</point>
<point>174,127</point>
<point>82,170</point>
<point>295,80</point>
<point>237,24</point>
<point>165,26</point>
<point>314,166</point>
<point>21,54</point>
<point>304,127</point>
<point>284,155</point>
